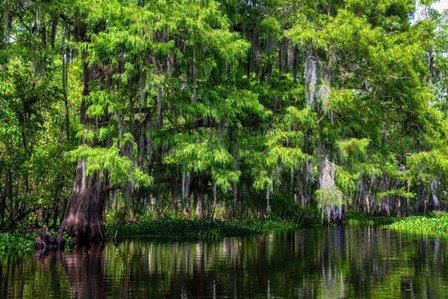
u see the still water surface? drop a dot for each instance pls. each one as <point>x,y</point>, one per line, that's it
<point>321,263</point>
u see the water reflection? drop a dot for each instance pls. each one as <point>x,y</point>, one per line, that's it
<point>83,267</point>
<point>332,263</point>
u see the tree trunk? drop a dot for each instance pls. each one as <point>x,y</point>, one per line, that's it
<point>200,193</point>
<point>200,205</point>
<point>84,215</point>
<point>434,189</point>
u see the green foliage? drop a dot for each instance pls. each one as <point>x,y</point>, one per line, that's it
<point>119,169</point>
<point>428,165</point>
<point>396,192</point>
<point>354,149</point>
<point>16,242</point>
<point>434,223</point>
<point>304,119</point>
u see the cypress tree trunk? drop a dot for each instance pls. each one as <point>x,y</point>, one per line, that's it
<point>84,215</point>
<point>200,190</point>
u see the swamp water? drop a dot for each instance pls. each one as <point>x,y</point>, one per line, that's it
<point>336,262</point>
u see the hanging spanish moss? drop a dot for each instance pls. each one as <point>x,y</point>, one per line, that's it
<point>310,78</point>
<point>330,197</point>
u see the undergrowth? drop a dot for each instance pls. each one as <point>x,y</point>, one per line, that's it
<point>178,229</point>
<point>16,242</point>
<point>364,219</point>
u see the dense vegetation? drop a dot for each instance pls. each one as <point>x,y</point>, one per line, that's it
<point>137,110</point>
<point>434,223</point>
<point>182,229</point>
<point>22,241</point>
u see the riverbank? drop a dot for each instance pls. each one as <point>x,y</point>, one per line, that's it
<point>201,230</point>
<point>431,223</point>
<point>22,241</point>
<point>364,219</point>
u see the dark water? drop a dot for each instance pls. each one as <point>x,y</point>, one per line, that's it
<point>329,263</point>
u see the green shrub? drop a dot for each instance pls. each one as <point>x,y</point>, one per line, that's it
<point>20,242</point>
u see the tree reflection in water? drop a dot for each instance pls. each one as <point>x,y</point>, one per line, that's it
<point>327,263</point>
<point>84,269</point>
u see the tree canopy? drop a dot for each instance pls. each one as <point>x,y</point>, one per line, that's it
<point>219,109</point>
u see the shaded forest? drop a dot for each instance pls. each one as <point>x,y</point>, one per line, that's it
<point>125,110</point>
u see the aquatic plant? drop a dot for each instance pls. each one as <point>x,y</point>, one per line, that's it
<point>433,223</point>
